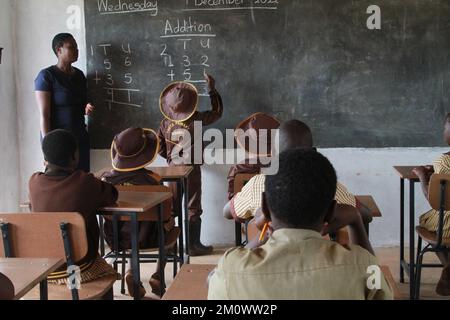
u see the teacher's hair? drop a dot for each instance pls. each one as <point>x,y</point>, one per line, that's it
<point>59,40</point>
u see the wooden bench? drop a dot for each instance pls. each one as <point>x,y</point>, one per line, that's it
<point>39,235</point>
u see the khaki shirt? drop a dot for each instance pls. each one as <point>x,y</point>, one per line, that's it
<point>246,202</point>
<point>296,264</point>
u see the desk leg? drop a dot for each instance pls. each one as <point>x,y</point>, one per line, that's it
<point>402,229</point>
<point>180,220</point>
<point>162,254</point>
<point>412,219</point>
<point>135,255</point>
<point>186,218</point>
<point>43,290</point>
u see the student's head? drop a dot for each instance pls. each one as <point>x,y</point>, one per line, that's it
<point>134,149</point>
<point>302,194</point>
<point>295,134</point>
<point>65,47</point>
<point>60,148</point>
<point>447,129</point>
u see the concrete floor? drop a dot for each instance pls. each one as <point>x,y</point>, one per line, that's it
<point>387,256</point>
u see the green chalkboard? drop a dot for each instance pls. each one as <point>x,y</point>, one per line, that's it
<point>312,60</point>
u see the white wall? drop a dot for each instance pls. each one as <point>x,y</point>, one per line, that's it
<point>363,171</point>
<point>37,22</point>
<point>9,155</point>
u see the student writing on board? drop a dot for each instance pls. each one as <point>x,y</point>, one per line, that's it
<point>61,94</point>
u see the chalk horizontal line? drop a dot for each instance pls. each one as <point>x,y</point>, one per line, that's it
<point>237,8</point>
<point>188,35</point>
<point>196,81</point>
<point>122,89</point>
<point>125,104</point>
<point>129,11</point>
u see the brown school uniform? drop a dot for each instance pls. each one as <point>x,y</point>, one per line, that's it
<point>167,145</point>
<point>58,190</point>
<point>148,230</point>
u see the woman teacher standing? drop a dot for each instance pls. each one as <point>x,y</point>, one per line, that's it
<point>61,94</point>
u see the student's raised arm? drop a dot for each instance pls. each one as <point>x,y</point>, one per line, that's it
<point>209,117</point>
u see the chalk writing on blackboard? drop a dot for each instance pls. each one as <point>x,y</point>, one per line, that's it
<point>184,51</point>
<point>121,96</point>
<point>119,88</point>
<point>225,5</point>
<point>120,6</point>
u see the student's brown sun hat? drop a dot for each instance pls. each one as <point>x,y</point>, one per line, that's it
<point>179,101</point>
<point>257,122</point>
<point>134,149</point>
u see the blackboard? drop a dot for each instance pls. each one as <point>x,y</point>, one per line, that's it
<point>312,60</point>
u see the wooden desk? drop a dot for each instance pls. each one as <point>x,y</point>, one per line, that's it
<point>132,205</point>
<point>25,274</point>
<point>180,176</point>
<point>190,283</point>
<point>370,203</point>
<point>405,173</point>
<point>390,280</point>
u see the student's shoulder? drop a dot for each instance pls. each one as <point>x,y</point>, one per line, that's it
<point>360,255</point>
<point>88,178</point>
<point>237,259</point>
<point>36,176</point>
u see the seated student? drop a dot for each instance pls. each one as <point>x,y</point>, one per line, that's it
<point>296,262</point>
<point>252,163</point>
<point>293,134</point>
<point>62,188</point>
<point>132,151</point>
<point>430,220</point>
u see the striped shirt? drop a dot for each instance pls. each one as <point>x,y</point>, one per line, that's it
<point>430,220</point>
<point>245,203</point>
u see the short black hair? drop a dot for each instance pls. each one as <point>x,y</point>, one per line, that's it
<point>447,117</point>
<point>295,134</point>
<point>303,189</point>
<point>59,147</point>
<point>59,40</point>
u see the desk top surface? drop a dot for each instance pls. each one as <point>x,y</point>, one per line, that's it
<point>370,203</point>
<point>25,274</point>
<point>132,201</point>
<point>405,172</point>
<point>173,172</point>
<point>190,283</point>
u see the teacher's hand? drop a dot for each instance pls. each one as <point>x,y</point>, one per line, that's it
<point>89,109</point>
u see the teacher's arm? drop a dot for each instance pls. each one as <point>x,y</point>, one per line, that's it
<point>43,99</point>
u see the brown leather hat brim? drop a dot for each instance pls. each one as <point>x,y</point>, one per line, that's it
<point>140,161</point>
<point>267,122</point>
<point>170,114</point>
